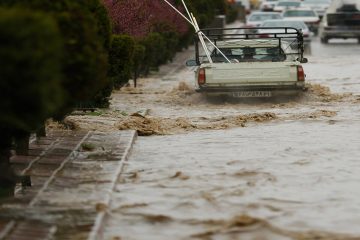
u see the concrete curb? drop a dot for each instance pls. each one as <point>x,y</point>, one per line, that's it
<point>97,230</point>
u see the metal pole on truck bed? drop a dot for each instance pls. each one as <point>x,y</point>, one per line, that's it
<point>192,20</point>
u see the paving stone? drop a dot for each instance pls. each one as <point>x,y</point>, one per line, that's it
<point>64,178</point>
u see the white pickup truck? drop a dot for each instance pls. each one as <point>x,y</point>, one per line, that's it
<point>251,64</point>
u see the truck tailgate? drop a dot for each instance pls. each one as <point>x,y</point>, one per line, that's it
<point>250,73</point>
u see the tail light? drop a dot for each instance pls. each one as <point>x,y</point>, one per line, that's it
<point>300,74</point>
<point>250,25</point>
<point>263,35</point>
<point>201,76</point>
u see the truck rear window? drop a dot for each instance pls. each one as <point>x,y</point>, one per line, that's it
<point>344,19</point>
<point>259,54</point>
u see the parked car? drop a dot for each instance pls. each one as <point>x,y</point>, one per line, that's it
<point>268,5</point>
<point>255,19</point>
<point>342,20</point>
<point>306,15</point>
<point>319,6</point>
<point>283,5</point>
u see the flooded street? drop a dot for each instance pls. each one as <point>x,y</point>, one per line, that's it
<point>235,170</point>
<point>283,174</point>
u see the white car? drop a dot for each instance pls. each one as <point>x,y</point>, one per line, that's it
<point>308,16</point>
<point>268,5</point>
<point>255,19</point>
<point>300,25</point>
<point>319,6</point>
<point>283,5</point>
<point>297,24</point>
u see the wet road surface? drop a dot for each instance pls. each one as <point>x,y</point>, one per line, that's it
<point>217,171</point>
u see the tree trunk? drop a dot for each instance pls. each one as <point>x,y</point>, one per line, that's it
<point>136,75</point>
<point>22,143</point>
<point>7,175</point>
<point>41,132</point>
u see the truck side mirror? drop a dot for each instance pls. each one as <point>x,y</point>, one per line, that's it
<point>304,60</point>
<point>191,63</point>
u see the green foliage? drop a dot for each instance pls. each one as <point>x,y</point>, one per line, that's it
<point>120,59</point>
<point>30,60</point>
<point>231,13</point>
<point>103,22</point>
<point>138,60</point>
<point>205,10</point>
<point>154,44</point>
<point>171,38</point>
<point>88,147</point>
<point>85,30</point>
<point>53,55</point>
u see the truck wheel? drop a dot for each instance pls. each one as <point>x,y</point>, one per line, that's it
<point>324,40</point>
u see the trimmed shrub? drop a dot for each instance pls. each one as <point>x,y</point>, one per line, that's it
<point>30,60</point>
<point>231,13</point>
<point>171,37</point>
<point>154,45</point>
<point>138,60</point>
<point>30,86</point>
<point>86,35</point>
<point>120,59</point>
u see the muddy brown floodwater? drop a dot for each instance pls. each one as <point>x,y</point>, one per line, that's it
<point>279,169</point>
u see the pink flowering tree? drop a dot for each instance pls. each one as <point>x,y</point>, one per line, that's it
<point>140,17</point>
<point>157,29</point>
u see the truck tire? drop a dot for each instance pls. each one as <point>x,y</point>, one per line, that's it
<point>324,40</point>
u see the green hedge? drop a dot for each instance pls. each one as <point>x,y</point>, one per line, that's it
<point>30,60</point>
<point>120,59</point>
<point>85,30</point>
<point>53,56</point>
<point>30,87</point>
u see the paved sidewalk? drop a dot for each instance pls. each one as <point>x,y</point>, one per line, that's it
<point>73,175</point>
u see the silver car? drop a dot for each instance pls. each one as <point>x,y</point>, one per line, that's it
<point>289,23</point>
<point>307,15</point>
<point>319,6</point>
<point>255,19</point>
<point>300,25</point>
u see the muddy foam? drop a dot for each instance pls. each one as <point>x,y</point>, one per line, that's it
<point>146,126</point>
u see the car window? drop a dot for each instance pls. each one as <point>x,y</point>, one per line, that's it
<point>316,2</point>
<point>299,13</point>
<point>294,24</point>
<point>264,17</point>
<point>250,54</point>
<point>289,4</point>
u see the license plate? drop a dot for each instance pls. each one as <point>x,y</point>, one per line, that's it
<point>246,94</point>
